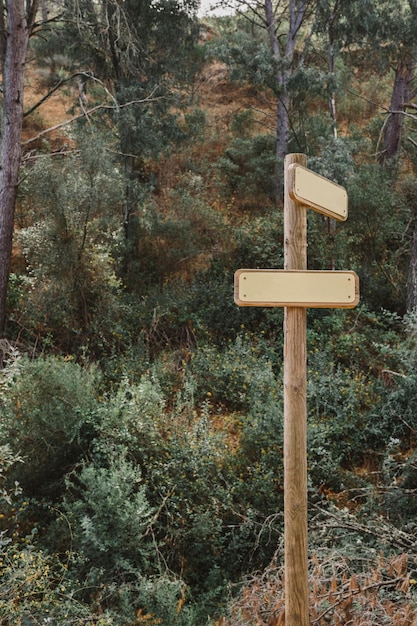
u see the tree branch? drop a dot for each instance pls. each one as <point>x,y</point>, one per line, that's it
<point>353,592</point>
<point>99,107</point>
<point>62,82</point>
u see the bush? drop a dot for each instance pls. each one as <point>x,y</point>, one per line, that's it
<point>35,588</point>
<point>247,168</point>
<point>110,518</point>
<point>340,406</point>
<point>72,222</point>
<point>49,411</point>
<point>237,376</point>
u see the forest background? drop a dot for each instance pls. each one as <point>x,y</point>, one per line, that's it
<point>141,432</point>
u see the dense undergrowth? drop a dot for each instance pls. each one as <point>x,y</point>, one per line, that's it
<point>141,435</point>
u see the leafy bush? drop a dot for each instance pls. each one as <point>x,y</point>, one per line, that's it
<point>375,230</point>
<point>247,167</point>
<point>110,518</point>
<point>238,376</point>
<point>340,405</point>
<point>48,408</point>
<point>40,588</point>
<point>73,216</point>
<point>35,588</point>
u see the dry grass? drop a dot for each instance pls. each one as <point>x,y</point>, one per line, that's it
<point>338,596</point>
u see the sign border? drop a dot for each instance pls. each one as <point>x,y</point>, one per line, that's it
<point>292,176</point>
<point>305,304</point>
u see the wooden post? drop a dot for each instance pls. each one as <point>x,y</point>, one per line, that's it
<point>295,415</point>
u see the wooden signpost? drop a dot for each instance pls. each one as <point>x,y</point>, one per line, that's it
<point>295,288</point>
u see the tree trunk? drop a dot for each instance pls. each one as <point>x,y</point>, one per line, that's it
<point>284,59</point>
<point>283,127</point>
<point>2,35</point>
<point>332,63</point>
<point>400,95</point>
<point>17,37</point>
<point>412,272</point>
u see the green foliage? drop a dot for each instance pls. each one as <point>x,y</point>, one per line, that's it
<point>379,254</point>
<point>350,356</point>
<point>147,53</point>
<point>398,406</point>
<point>213,513</point>
<point>36,588</point>
<point>243,123</point>
<point>238,376</point>
<point>76,213</point>
<point>246,54</point>
<point>258,466</point>
<point>110,518</point>
<point>339,407</point>
<point>359,339</point>
<point>335,161</point>
<point>195,124</point>
<point>247,167</point>
<point>160,245</point>
<point>48,410</point>
<point>7,460</point>
<point>152,488</point>
<point>35,585</point>
<point>130,419</point>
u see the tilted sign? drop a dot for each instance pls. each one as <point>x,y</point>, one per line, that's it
<point>317,192</point>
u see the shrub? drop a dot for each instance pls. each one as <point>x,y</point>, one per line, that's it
<point>110,517</point>
<point>340,405</point>
<point>247,167</point>
<point>35,588</point>
<point>73,219</point>
<point>238,376</point>
<point>49,410</point>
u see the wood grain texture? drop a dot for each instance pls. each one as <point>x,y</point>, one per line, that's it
<point>295,415</point>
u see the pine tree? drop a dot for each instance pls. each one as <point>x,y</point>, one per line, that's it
<point>19,21</point>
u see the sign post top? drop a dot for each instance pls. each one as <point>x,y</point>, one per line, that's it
<point>317,192</point>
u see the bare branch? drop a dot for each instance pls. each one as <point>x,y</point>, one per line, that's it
<point>59,84</point>
<point>345,596</point>
<point>87,113</point>
<point>414,143</point>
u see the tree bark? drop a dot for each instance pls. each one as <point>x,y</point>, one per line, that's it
<point>18,25</point>
<point>2,35</point>
<point>283,54</point>
<point>332,64</point>
<point>412,272</point>
<point>404,74</point>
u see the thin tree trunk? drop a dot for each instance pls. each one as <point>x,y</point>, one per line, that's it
<point>332,70</point>
<point>17,37</point>
<point>2,35</point>
<point>400,96</point>
<point>412,272</point>
<point>284,60</point>
<point>282,124</point>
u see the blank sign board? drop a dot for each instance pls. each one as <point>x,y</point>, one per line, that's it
<point>316,289</point>
<point>317,192</point>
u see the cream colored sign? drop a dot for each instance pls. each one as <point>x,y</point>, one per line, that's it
<point>317,192</point>
<point>316,289</point>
